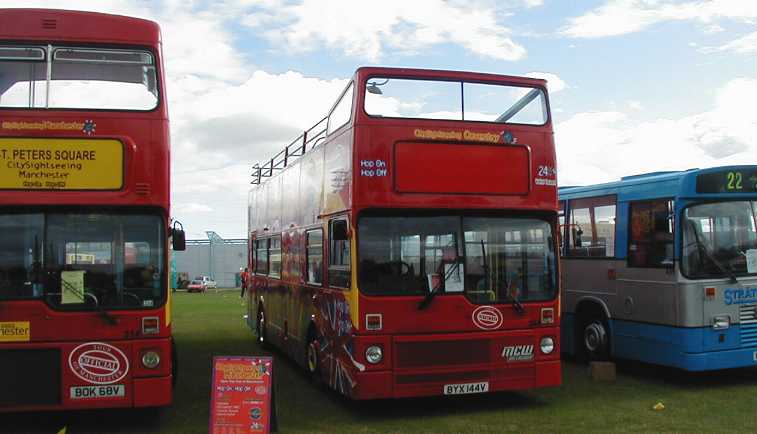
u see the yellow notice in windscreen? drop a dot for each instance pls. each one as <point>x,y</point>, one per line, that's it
<point>61,164</point>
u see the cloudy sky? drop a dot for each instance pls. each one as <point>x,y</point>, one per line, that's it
<point>636,85</point>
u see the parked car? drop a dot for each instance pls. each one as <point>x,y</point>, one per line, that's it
<point>201,283</point>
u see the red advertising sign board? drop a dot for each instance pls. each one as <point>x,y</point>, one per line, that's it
<point>240,400</point>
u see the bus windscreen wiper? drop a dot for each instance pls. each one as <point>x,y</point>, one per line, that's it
<point>429,297</point>
<point>104,314</point>
<point>517,306</point>
<point>431,294</point>
<point>703,248</point>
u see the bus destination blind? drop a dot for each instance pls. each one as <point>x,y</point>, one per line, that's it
<point>728,181</point>
<point>61,164</point>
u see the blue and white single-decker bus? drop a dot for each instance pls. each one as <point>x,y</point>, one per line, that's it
<point>662,268</point>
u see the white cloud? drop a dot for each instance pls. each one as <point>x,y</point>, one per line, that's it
<point>618,17</point>
<point>745,45</point>
<point>554,83</point>
<point>226,114</point>
<point>603,146</point>
<point>192,207</point>
<point>366,32</point>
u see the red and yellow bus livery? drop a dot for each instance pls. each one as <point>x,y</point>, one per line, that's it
<point>85,317</point>
<point>404,246</point>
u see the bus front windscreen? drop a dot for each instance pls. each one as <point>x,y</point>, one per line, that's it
<point>718,238</point>
<point>487,259</point>
<point>82,261</point>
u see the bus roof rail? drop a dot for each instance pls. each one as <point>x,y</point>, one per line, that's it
<point>295,149</point>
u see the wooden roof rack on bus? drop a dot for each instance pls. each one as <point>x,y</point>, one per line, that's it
<point>297,148</point>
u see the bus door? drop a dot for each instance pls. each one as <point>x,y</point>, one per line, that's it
<point>647,283</point>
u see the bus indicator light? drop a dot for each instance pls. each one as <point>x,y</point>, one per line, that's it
<point>150,325</point>
<point>709,293</point>
<point>373,321</point>
<point>548,316</point>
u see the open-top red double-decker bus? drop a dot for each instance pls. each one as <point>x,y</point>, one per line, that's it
<point>85,316</point>
<point>404,245</point>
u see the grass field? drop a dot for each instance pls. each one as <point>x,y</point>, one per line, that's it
<point>211,324</point>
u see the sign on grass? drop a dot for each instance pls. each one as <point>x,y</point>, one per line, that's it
<point>240,400</point>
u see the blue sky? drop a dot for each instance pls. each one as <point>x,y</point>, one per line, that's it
<point>636,85</point>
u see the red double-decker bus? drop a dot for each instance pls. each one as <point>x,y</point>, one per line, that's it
<point>404,245</point>
<point>85,317</point>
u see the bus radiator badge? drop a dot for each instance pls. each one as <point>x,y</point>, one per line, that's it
<point>487,318</point>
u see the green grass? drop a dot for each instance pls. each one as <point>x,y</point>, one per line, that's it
<point>211,324</point>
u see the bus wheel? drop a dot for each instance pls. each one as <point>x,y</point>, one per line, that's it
<point>596,339</point>
<point>312,360</point>
<point>260,329</point>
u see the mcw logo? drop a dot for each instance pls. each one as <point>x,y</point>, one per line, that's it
<point>517,353</point>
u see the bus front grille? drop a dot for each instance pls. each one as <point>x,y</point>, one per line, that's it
<point>418,354</point>
<point>748,320</point>
<point>30,377</point>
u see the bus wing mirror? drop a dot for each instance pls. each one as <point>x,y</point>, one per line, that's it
<point>178,238</point>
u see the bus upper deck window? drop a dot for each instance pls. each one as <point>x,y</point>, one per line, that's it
<point>103,79</point>
<point>22,53</point>
<point>23,74</point>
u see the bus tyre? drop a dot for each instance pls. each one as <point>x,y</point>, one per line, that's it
<point>312,358</point>
<point>595,339</point>
<point>260,329</point>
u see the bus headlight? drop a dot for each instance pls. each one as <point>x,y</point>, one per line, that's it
<point>547,345</point>
<point>374,354</point>
<point>721,322</point>
<point>151,359</point>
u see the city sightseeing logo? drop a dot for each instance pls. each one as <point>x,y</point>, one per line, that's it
<point>87,127</point>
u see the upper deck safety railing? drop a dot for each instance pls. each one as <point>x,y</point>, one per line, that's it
<point>297,148</point>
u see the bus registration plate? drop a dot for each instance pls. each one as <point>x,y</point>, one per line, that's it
<point>88,392</point>
<point>465,388</point>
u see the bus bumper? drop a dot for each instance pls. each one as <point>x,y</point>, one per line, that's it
<point>64,376</point>
<point>430,375</point>
<point>726,359</point>
<point>382,385</point>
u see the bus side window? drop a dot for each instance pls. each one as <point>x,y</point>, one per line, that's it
<point>650,242</point>
<point>591,227</point>
<point>314,252</point>
<point>251,253</point>
<point>274,256</point>
<point>261,256</point>
<point>339,254</point>
<point>561,226</point>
